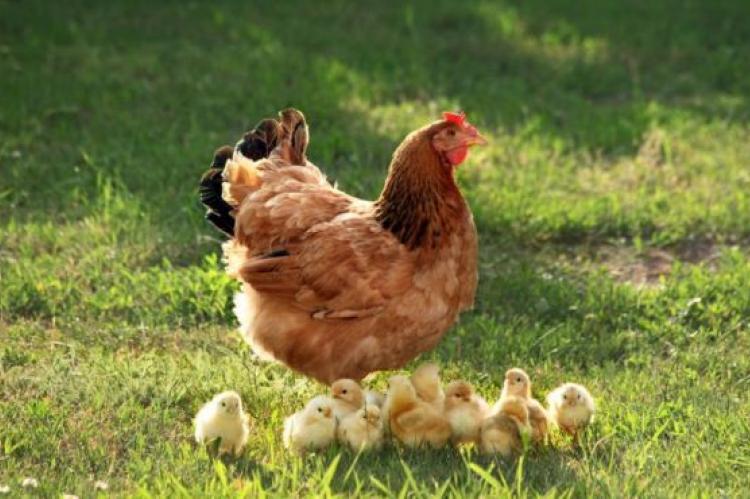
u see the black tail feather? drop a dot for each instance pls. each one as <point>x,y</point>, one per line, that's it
<point>256,144</point>
<point>219,211</point>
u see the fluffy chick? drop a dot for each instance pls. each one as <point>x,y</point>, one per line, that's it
<point>362,430</point>
<point>348,397</point>
<point>465,411</point>
<point>412,420</point>
<point>224,418</point>
<point>501,432</point>
<point>571,407</point>
<point>426,381</point>
<point>374,398</point>
<point>517,383</point>
<point>312,428</point>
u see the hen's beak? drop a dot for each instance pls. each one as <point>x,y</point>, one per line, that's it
<point>474,138</point>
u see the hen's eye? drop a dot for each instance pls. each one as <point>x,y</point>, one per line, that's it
<point>451,132</point>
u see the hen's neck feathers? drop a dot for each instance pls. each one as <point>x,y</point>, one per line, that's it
<point>420,203</point>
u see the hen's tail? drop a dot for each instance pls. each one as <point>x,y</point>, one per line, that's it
<point>256,144</point>
<point>218,211</point>
<point>286,138</point>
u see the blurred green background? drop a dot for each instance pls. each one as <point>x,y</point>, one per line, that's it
<point>612,207</point>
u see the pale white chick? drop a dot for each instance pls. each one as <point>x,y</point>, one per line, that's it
<point>517,383</point>
<point>312,428</point>
<point>362,430</point>
<point>374,398</point>
<point>571,407</point>
<point>347,396</point>
<point>223,418</point>
<point>502,432</point>
<point>465,411</point>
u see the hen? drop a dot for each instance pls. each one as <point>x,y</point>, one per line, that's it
<point>334,286</point>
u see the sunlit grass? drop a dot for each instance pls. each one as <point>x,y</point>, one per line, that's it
<point>614,125</point>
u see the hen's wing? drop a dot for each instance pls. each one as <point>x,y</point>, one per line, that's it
<point>299,238</point>
<point>347,267</point>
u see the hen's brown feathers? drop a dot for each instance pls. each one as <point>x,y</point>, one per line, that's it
<point>335,286</point>
<point>420,203</point>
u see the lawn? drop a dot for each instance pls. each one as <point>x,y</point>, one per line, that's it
<point>613,207</point>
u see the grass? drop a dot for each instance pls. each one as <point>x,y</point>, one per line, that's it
<point>614,125</point>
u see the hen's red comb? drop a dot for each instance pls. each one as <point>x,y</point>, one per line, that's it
<point>458,118</point>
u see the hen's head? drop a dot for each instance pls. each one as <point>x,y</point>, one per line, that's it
<point>420,203</point>
<point>453,136</point>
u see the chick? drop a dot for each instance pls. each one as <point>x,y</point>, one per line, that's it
<point>571,407</point>
<point>312,428</point>
<point>374,398</point>
<point>347,396</point>
<point>465,411</point>
<point>362,430</point>
<point>501,433</point>
<point>412,420</point>
<point>426,381</point>
<point>224,418</point>
<point>517,383</point>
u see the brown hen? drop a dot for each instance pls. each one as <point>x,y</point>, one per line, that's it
<point>337,287</point>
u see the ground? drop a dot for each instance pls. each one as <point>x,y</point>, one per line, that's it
<point>613,208</point>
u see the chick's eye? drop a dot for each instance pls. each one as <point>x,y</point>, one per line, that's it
<point>223,404</point>
<point>518,380</point>
<point>579,396</point>
<point>343,391</point>
<point>320,409</point>
<point>565,397</point>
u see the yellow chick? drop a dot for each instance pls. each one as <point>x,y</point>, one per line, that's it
<point>312,428</point>
<point>362,430</point>
<point>501,432</point>
<point>223,418</point>
<point>426,381</point>
<point>465,411</point>
<point>348,397</point>
<point>571,407</point>
<point>517,383</point>
<point>412,420</point>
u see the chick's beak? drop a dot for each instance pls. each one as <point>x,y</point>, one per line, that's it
<point>327,412</point>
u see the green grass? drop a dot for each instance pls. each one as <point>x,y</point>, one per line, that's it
<point>614,125</point>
